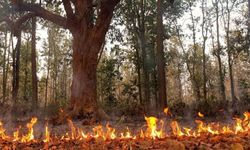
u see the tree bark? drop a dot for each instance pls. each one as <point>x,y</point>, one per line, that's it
<point>47,79</point>
<point>142,44</point>
<point>25,96</point>
<point>194,69</point>
<point>204,35</point>
<point>221,76</point>
<point>16,64</point>
<point>138,68</point>
<point>160,59</point>
<point>33,66</point>
<point>229,56</point>
<point>88,37</point>
<point>248,25</point>
<point>4,65</point>
<point>83,104</point>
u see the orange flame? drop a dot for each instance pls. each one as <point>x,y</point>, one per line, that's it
<point>200,114</point>
<point>30,134</point>
<point>47,134</point>
<point>176,129</point>
<point>167,112</point>
<point>16,134</point>
<point>154,130</point>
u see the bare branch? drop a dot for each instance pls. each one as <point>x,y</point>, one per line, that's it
<point>43,13</point>
<point>15,26</point>
<point>68,9</point>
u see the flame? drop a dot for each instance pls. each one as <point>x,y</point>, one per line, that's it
<point>238,127</point>
<point>47,134</point>
<point>187,131</point>
<point>30,134</point>
<point>167,111</point>
<point>176,129</point>
<point>73,129</point>
<point>82,135</point>
<point>127,135</point>
<point>16,134</point>
<point>200,114</point>
<point>98,132</point>
<point>110,132</point>
<point>2,131</point>
<point>246,120</point>
<point>154,130</point>
<point>226,130</point>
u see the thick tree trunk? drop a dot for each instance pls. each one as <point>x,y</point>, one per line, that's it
<point>160,59</point>
<point>33,66</point>
<point>83,103</point>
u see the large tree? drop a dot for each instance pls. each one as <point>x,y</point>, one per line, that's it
<point>88,21</point>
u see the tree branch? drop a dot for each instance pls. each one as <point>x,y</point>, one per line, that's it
<point>103,20</point>
<point>43,13</point>
<point>16,26</point>
<point>105,15</point>
<point>68,9</point>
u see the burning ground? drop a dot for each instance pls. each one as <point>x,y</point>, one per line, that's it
<point>155,133</point>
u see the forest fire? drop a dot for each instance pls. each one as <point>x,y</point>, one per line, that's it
<point>155,130</point>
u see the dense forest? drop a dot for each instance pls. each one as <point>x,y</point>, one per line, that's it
<point>98,59</point>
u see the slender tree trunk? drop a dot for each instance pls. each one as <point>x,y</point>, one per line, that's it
<point>47,80</point>
<point>8,65</point>
<point>221,76</point>
<point>138,66</point>
<point>248,25</point>
<point>142,43</point>
<point>194,78</point>
<point>160,60</point>
<point>180,92</point>
<point>26,72</point>
<point>16,64</point>
<point>229,56</point>
<point>4,65</point>
<point>204,35</point>
<point>33,66</point>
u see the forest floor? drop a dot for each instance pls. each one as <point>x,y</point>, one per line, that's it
<point>218,142</point>
<point>206,142</point>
